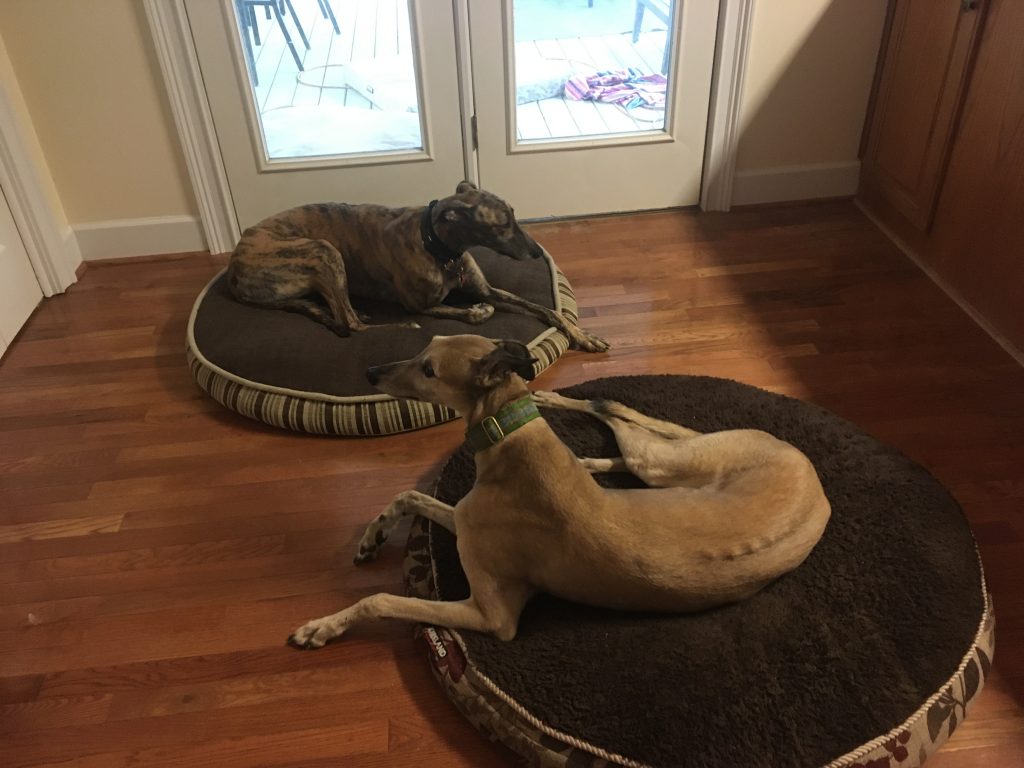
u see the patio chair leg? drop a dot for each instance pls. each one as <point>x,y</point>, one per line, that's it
<point>298,24</point>
<point>255,26</point>
<point>288,39</point>
<point>638,20</point>
<point>328,12</point>
<point>245,21</point>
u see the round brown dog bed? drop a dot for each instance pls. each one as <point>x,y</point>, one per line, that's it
<point>868,654</point>
<point>289,371</point>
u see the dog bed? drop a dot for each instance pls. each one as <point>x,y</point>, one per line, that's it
<point>869,654</point>
<point>290,371</point>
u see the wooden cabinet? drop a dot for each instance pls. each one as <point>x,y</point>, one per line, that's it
<point>976,242</point>
<point>943,162</point>
<point>920,88</point>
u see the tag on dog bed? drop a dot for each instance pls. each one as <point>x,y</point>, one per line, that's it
<point>445,654</point>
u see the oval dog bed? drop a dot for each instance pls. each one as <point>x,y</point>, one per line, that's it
<point>290,371</point>
<point>868,654</point>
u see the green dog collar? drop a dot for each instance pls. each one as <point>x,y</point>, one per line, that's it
<point>507,420</point>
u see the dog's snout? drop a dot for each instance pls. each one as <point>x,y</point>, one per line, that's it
<point>373,374</point>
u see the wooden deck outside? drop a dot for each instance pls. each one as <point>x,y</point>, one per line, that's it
<point>374,30</point>
<point>558,117</point>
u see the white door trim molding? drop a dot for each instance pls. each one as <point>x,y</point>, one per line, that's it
<point>51,248</point>
<point>463,58</point>
<point>175,50</point>
<point>723,135</point>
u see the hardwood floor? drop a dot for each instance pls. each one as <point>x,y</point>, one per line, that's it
<point>156,549</point>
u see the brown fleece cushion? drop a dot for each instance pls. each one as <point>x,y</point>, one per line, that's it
<point>283,349</point>
<point>828,657</point>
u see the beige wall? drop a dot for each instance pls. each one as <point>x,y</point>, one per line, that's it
<point>93,88</point>
<point>808,78</point>
<point>11,89</point>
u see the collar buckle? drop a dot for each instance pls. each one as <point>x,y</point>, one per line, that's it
<point>492,430</point>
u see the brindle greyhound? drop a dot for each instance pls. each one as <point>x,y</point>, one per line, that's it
<point>728,512</point>
<point>408,256</point>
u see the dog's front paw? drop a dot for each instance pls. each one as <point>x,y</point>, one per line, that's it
<point>374,536</point>
<point>588,342</point>
<point>479,313</point>
<point>315,634</point>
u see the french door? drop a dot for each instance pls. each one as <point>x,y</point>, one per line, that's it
<point>562,107</point>
<point>293,124</point>
<point>635,138</point>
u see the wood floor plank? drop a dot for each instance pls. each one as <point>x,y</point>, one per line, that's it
<point>155,549</point>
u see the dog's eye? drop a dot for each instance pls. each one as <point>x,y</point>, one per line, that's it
<point>428,370</point>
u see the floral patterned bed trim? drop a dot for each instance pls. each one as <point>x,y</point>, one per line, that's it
<point>502,719</point>
<point>924,732</point>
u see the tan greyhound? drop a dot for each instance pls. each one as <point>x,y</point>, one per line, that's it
<point>726,514</point>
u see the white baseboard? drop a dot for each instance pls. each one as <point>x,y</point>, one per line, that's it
<point>120,238</point>
<point>70,249</point>
<point>795,182</point>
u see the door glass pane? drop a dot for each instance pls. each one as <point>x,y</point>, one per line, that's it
<point>331,77</point>
<point>590,68</point>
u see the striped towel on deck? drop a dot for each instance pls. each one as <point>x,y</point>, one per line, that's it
<point>628,88</point>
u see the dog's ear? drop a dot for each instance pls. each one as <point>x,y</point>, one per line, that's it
<point>465,186</point>
<point>508,357</point>
<point>456,210</point>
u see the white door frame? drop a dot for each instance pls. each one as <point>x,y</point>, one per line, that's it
<point>179,64</point>
<point>49,242</point>
<point>191,109</point>
<point>734,18</point>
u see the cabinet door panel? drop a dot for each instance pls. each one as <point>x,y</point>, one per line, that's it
<point>919,94</point>
<point>977,243</point>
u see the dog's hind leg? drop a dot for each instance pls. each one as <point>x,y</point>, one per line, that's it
<point>331,282</point>
<point>313,310</point>
<point>603,466</point>
<point>474,315</point>
<point>476,285</point>
<point>404,504</point>
<point>608,410</point>
<point>655,451</point>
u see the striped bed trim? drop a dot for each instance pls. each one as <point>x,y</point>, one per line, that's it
<point>352,416</point>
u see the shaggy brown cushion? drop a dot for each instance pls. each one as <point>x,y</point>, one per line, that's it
<point>290,371</point>
<point>870,650</point>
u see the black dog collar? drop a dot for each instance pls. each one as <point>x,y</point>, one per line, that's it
<point>446,258</point>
